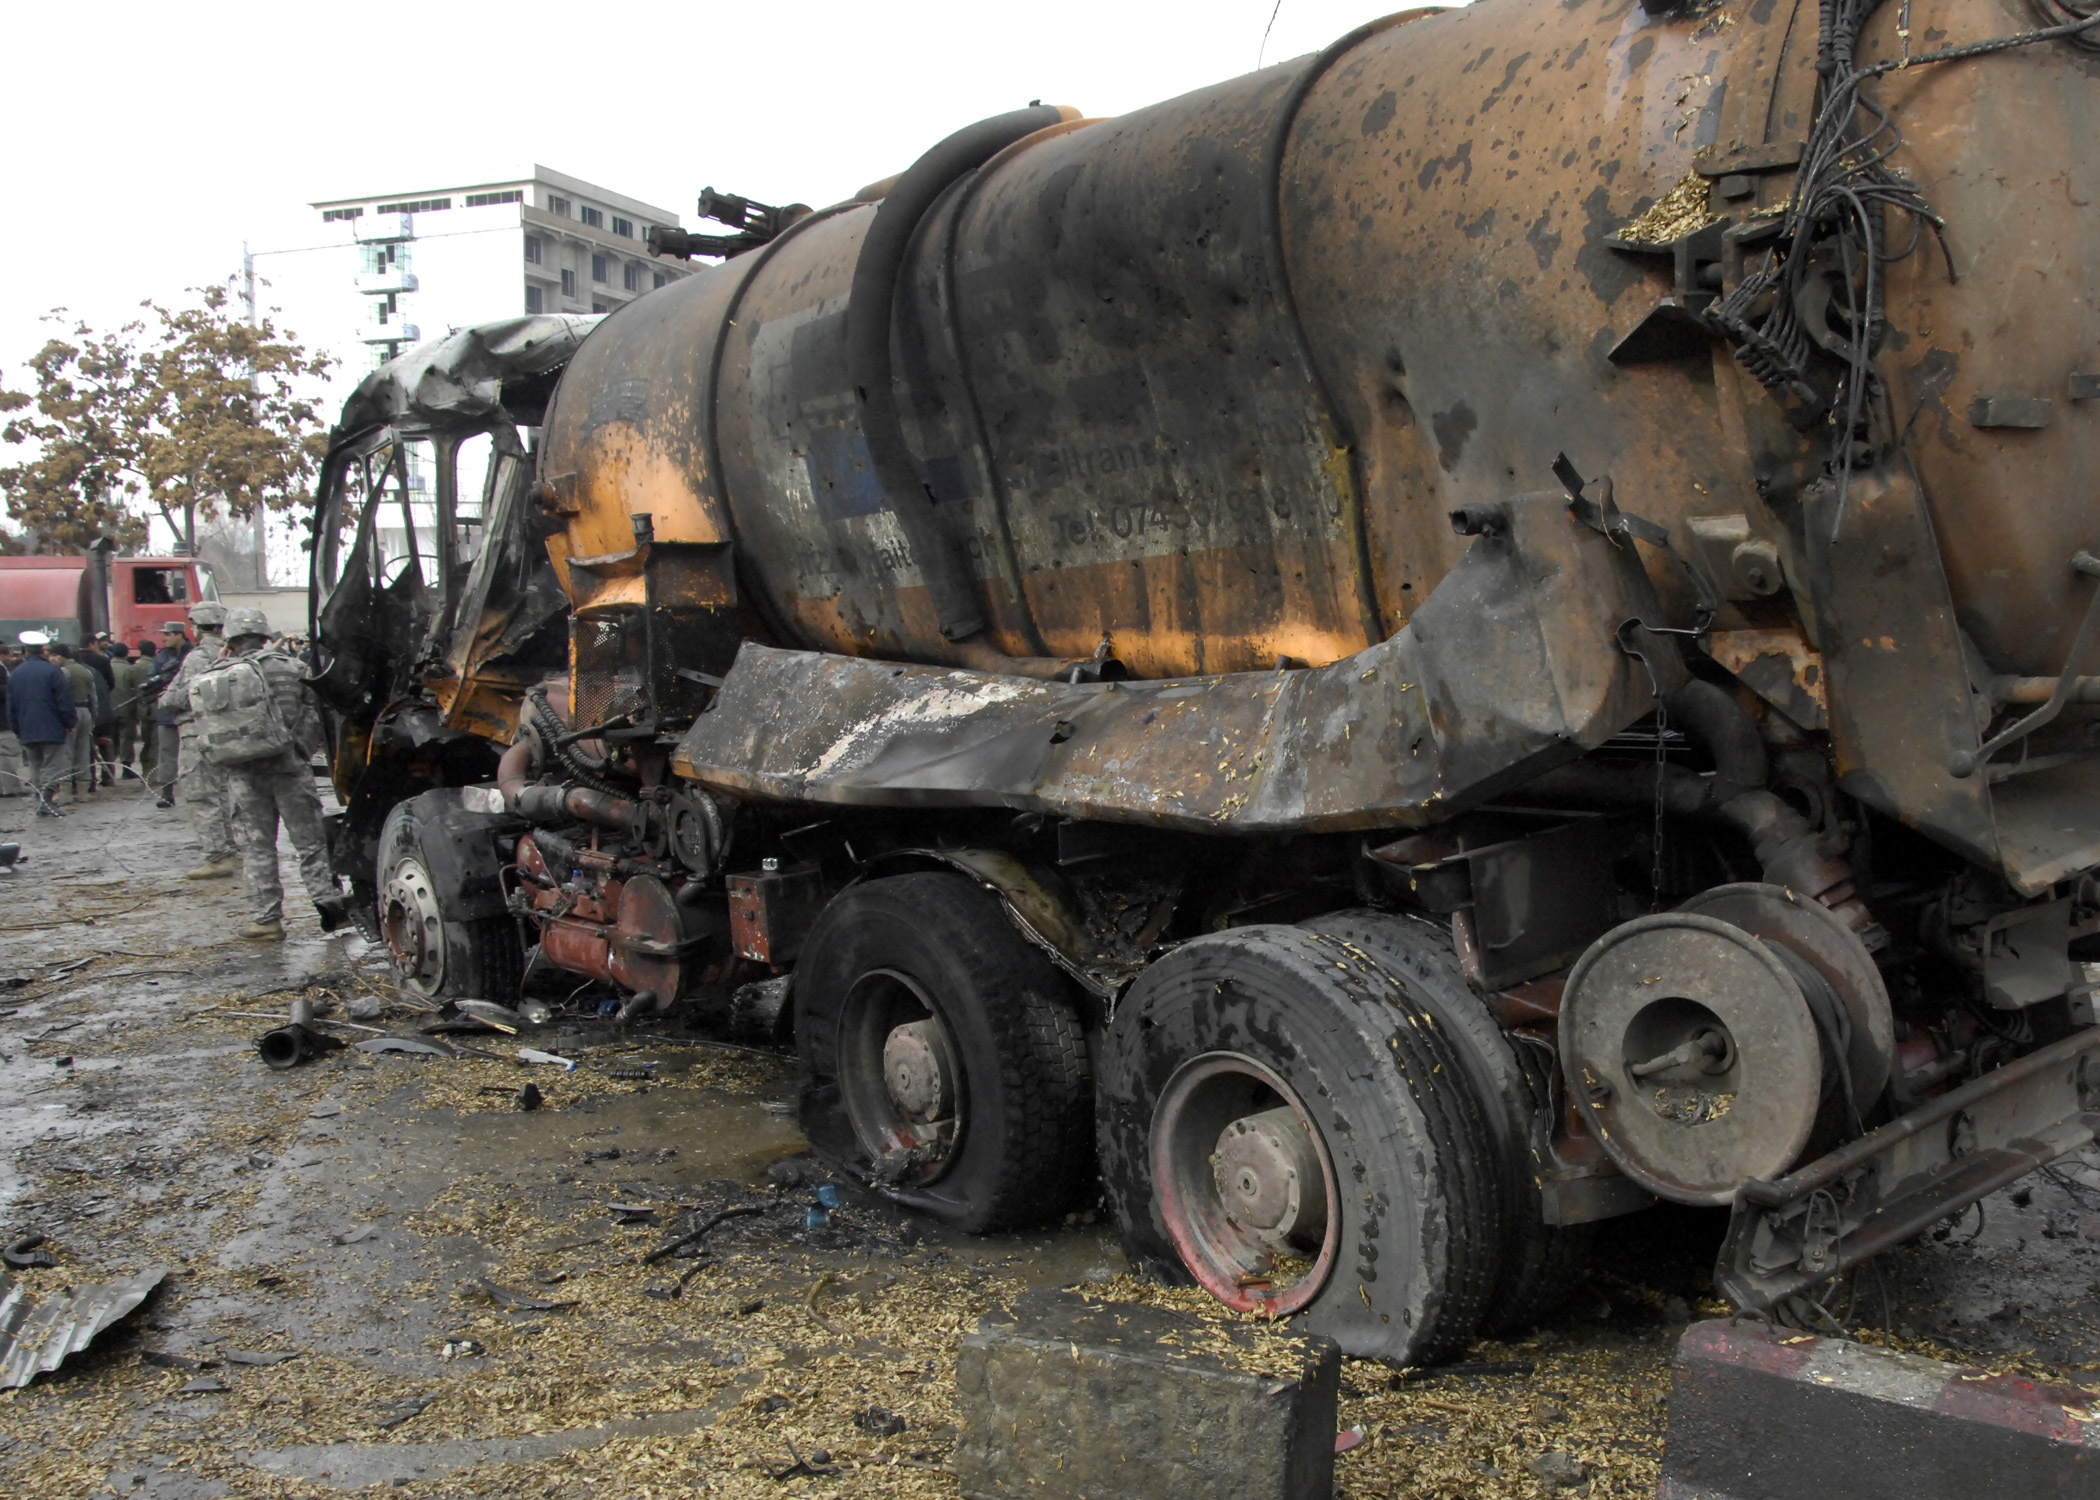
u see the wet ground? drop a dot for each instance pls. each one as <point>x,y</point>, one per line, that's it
<point>380,1271</point>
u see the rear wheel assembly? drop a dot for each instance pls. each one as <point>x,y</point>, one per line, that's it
<point>1708,1043</point>
<point>433,954</point>
<point>1281,1121</point>
<point>944,1054</point>
<point>1539,1260</point>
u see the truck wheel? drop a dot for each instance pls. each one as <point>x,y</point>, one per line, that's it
<point>1280,1120</point>
<point>944,1054</point>
<point>431,954</point>
<point>1540,1261</point>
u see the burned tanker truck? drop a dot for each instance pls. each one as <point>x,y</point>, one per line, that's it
<point>1384,661</point>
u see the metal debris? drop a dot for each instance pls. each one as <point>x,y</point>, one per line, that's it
<point>260,1356</point>
<point>204,1385</point>
<point>534,1055</point>
<point>408,1044</point>
<point>502,1017</point>
<point>168,1360</point>
<point>36,1336</point>
<point>412,1407</point>
<point>503,1296</point>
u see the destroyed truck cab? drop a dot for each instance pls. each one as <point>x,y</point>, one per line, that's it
<point>1382,662</point>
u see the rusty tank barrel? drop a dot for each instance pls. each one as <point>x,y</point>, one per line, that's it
<point>1209,381</point>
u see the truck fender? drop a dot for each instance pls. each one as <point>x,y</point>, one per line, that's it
<point>465,851</point>
<point>1043,915</point>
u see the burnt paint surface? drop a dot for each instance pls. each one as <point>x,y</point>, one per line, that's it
<point>1111,408</point>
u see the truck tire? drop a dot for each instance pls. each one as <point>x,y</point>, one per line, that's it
<point>433,953</point>
<point>1540,1261</point>
<point>1249,1070</point>
<point>943,1054</point>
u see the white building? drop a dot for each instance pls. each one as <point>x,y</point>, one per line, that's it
<point>441,258</point>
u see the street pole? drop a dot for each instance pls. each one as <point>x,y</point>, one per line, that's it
<point>261,518</point>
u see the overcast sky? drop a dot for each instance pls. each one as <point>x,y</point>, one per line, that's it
<point>150,141</point>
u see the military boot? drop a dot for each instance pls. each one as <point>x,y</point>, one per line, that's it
<point>334,912</point>
<point>271,931</point>
<point>215,869</point>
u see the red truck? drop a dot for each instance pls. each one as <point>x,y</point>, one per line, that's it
<point>71,598</point>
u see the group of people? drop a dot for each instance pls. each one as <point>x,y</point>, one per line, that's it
<point>228,719</point>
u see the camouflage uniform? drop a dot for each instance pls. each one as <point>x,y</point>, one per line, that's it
<point>203,784</point>
<point>261,793</point>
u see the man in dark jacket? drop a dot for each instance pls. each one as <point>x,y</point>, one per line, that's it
<point>40,712</point>
<point>95,656</point>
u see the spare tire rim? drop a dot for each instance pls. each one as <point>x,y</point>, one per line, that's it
<point>413,926</point>
<point>1246,1185</point>
<point>900,1078</point>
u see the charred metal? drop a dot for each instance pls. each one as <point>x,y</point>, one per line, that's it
<point>1165,610</point>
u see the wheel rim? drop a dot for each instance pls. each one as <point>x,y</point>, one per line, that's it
<point>1246,1185</point>
<point>900,1078</point>
<point>413,927</point>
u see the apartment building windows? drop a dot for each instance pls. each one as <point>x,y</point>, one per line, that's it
<point>591,216</point>
<point>662,279</point>
<point>631,276</point>
<point>415,206</point>
<point>486,200</point>
<point>533,251</point>
<point>568,282</point>
<point>624,228</point>
<point>533,300</point>
<point>332,215</point>
<point>599,307</point>
<point>601,269</point>
<point>558,206</point>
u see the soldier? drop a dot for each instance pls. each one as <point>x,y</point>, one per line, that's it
<point>256,720</point>
<point>167,738</point>
<point>203,784</point>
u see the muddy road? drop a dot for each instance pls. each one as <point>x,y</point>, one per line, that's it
<point>381,1271</point>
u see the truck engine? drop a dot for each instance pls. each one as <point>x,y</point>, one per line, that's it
<point>1386,660</point>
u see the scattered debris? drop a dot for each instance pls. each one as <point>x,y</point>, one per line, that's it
<point>260,1356</point>
<point>169,1360</point>
<point>364,1008</point>
<point>326,1111</point>
<point>23,1254</point>
<point>403,1411</point>
<point>504,1297</point>
<point>204,1385</point>
<point>502,1017</point>
<point>421,1044</point>
<point>1348,1438</point>
<point>534,1055</point>
<point>671,1247</point>
<point>1556,1466</point>
<point>632,1213</point>
<point>461,1349</point>
<point>815,1466</point>
<point>36,1337</point>
<point>879,1421</point>
<point>358,1235</point>
<point>1463,1368</point>
<point>530,1098</point>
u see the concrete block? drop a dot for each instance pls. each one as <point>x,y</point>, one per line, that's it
<point>1064,1398</point>
<point>1758,1413</point>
